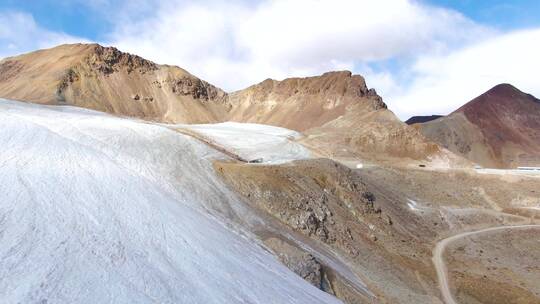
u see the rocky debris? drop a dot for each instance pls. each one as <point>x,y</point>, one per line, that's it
<point>9,69</point>
<point>310,215</point>
<point>369,203</point>
<point>108,60</point>
<point>138,97</point>
<point>157,84</point>
<point>70,77</point>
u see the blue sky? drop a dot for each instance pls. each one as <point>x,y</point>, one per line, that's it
<point>502,14</point>
<point>62,16</point>
<point>423,57</point>
<point>91,19</point>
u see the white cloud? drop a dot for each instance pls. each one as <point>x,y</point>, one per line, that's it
<point>19,33</point>
<point>234,44</point>
<point>441,84</point>
<point>444,58</point>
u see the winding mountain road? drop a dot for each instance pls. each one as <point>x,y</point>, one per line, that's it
<point>438,261</point>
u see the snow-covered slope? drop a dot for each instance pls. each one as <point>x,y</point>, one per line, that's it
<point>254,141</point>
<point>97,209</point>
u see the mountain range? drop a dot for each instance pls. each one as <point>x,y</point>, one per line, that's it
<point>335,107</point>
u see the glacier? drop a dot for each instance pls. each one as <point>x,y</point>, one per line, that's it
<point>101,209</point>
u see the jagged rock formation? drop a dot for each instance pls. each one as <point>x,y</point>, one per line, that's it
<point>340,115</point>
<point>500,128</point>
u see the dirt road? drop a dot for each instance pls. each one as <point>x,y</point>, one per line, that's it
<point>438,260</point>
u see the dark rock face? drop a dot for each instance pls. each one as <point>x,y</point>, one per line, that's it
<point>195,87</point>
<point>422,119</point>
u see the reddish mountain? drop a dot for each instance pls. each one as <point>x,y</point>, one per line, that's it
<point>500,128</point>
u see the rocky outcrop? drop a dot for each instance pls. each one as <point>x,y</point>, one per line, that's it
<point>108,60</point>
<point>311,216</point>
<point>196,88</point>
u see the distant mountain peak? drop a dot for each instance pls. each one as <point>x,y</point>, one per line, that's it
<point>500,128</point>
<point>422,119</point>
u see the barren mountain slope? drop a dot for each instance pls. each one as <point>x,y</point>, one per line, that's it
<point>303,103</point>
<point>340,116</point>
<point>105,79</point>
<point>377,136</point>
<point>497,267</point>
<point>500,128</point>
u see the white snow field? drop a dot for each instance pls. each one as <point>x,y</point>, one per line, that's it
<point>99,209</point>
<point>254,141</point>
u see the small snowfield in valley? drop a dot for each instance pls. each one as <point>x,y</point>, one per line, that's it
<point>99,209</point>
<point>267,144</point>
